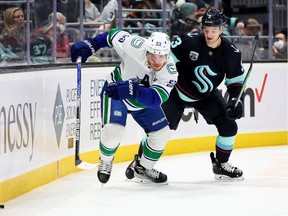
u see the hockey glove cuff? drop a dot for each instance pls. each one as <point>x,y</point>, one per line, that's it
<point>233,112</point>
<point>123,90</point>
<point>82,48</point>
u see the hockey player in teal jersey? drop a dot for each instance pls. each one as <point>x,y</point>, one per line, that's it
<point>138,86</point>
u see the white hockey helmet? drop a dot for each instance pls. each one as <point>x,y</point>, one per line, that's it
<point>158,43</point>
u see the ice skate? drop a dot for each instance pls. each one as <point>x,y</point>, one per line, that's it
<point>225,171</point>
<point>130,169</point>
<point>104,171</point>
<point>146,176</point>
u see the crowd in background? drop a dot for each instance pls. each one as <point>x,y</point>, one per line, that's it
<point>145,17</point>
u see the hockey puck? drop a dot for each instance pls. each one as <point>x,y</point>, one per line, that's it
<point>2,206</point>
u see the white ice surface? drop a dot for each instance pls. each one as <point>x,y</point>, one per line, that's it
<point>192,190</point>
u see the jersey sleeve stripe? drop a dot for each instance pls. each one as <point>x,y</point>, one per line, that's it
<point>112,33</point>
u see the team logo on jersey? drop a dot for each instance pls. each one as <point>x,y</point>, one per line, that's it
<point>117,113</point>
<point>137,42</point>
<point>171,68</point>
<point>194,55</point>
<point>201,73</point>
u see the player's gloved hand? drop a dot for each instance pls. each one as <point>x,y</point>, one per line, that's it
<point>123,90</point>
<point>232,112</point>
<point>82,48</point>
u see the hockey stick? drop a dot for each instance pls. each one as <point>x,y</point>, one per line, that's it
<point>248,72</point>
<point>78,162</point>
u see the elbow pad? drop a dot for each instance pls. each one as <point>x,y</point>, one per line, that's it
<point>149,97</point>
<point>100,41</point>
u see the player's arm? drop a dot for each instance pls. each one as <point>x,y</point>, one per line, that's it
<point>234,82</point>
<point>149,96</point>
<point>155,95</point>
<point>176,46</point>
<point>90,46</point>
<point>235,75</point>
<point>181,44</point>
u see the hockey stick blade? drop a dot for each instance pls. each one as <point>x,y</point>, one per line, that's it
<point>78,162</point>
<point>84,165</point>
<point>248,72</point>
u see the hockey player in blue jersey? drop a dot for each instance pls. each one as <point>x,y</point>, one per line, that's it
<point>138,86</point>
<point>203,61</point>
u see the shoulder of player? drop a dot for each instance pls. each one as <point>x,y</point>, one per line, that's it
<point>229,47</point>
<point>192,36</point>
<point>111,5</point>
<point>125,37</point>
<point>188,41</point>
<point>39,37</point>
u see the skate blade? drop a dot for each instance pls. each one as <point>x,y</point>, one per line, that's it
<point>227,178</point>
<point>146,181</point>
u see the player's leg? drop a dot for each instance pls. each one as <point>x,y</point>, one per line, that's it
<point>173,110</point>
<point>213,110</point>
<point>227,130</point>
<point>153,147</point>
<point>155,124</point>
<point>114,116</point>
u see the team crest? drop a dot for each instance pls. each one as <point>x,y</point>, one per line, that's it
<point>193,55</point>
<point>137,42</point>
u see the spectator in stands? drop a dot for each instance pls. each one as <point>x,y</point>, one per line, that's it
<point>108,14</point>
<point>61,20</point>
<point>251,27</point>
<point>201,5</point>
<point>185,19</point>
<point>245,42</point>
<point>155,5</point>
<point>63,46</point>
<point>42,10</point>
<point>91,11</point>
<point>170,6</point>
<point>145,28</point>
<point>280,46</point>
<point>178,5</point>
<point>233,25</point>
<point>13,34</point>
<point>40,48</point>
<point>6,56</point>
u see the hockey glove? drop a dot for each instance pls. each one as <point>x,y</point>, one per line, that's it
<point>82,48</point>
<point>123,90</point>
<point>232,112</point>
